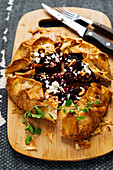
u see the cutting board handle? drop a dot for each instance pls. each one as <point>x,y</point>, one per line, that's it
<point>50,23</point>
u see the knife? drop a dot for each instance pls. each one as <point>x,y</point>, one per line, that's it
<point>85,22</point>
<point>83,32</point>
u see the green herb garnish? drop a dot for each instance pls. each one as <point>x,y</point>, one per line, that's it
<point>28,140</point>
<point>39,112</point>
<point>84,110</point>
<point>36,116</point>
<point>23,119</point>
<point>30,128</point>
<point>47,107</point>
<point>79,118</point>
<point>80,108</point>
<point>51,116</point>
<point>68,102</point>
<point>88,105</point>
<point>37,131</point>
<point>76,107</point>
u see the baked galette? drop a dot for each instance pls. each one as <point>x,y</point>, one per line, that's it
<point>49,69</point>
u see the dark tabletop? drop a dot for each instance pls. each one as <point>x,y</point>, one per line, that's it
<point>10,13</point>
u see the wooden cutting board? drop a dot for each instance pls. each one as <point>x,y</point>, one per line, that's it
<point>61,149</point>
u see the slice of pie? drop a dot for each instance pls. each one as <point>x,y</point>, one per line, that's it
<point>80,123</point>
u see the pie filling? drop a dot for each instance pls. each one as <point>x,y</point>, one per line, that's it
<point>56,85</point>
<point>61,82</point>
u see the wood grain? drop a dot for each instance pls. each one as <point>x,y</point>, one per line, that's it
<point>61,149</point>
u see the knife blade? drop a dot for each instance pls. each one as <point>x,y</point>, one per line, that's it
<point>85,21</point>
<point>83,32</point>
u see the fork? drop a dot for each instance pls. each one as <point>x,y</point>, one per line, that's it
<point>85,22</point>
<point>73,16</point>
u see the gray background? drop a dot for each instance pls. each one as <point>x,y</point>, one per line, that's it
<point>10,159</point>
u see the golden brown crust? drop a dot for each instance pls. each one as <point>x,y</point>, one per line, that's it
<point>25,92</point>
<point>27,74</point>
<point>76,130</point>
<point>99,64</point>
<point>20,60</point>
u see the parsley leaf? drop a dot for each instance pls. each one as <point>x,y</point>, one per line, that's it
<point>60,107</point>
<point>88,105</point>
<point>27,128</point>
<point>36,116</point>
<point>51,116</point>
<point>27,112</point>
<point>79,118</point>
<point>47,107</point>
<point>97,101</point>
<point>28,140</point>
<point>39,112</point>
<point>71,111</point>
<point>37,131</point>
<point>63,109</point>
<point>76,107</point>
<point>23,119</point>
<point>30,128</point>
<point>29,115</point>
<point>35,107</point>
<point>68,102</point>
<point>84,110</point>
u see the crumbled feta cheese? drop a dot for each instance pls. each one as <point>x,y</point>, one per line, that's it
<point>54,87</point>
<point>60,58</point>
<point>36,54</point>
<point>78,72</point>
<point>47,96</point>
<point>57,55</point>
<point>42,55</point>
<point>68,96</point>
<point>53,56</point>
<point>47,83</point>
<point>64,103</point>
<point>75,74</point>
<point>61,88</point>
<point>49,58</point>
<point>71,68</point>
<point>55,84</point>
<point>37,59</point>
<point>68,60</point>
<point>82,64</point>
<point>46,61</point>
<point>86,68</point>
<point>57,60</point>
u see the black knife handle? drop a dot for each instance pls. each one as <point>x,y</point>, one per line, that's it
<point>103,28</point>
<point>96,39</point>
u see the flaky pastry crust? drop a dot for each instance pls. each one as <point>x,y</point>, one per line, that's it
<point>76,130</point>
